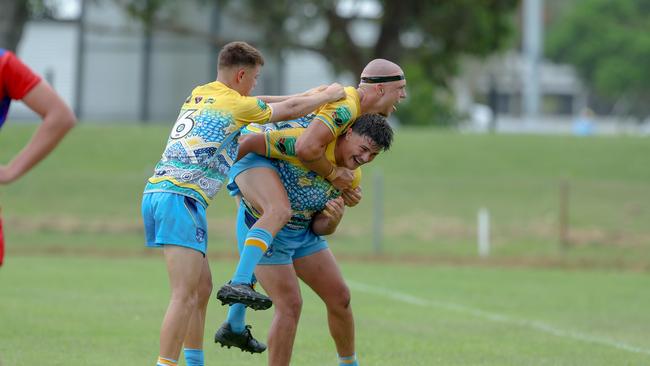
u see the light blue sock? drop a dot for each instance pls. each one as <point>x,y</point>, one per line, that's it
<point>237,317</point>
<point>257,241</point>
<point>193,357</point>
<point>348,360</point>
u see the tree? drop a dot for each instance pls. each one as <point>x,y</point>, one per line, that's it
<point>609,44</point>
<point>430,35</point>
<point>16,13</point>
<point>13,17</point>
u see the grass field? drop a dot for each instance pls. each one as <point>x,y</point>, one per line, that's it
<point>78,287</point>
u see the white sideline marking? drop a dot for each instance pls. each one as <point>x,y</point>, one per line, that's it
<point>537,325</point>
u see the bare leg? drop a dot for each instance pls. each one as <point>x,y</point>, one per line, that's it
<point>321,272</point>
<point>281,283</point>
<point>184,266</point>
<point>196,327</point>
<point>264,190</point>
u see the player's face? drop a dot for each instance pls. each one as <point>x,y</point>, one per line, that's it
<point>358,150</point>
<point>391,94</point>
<point>248,79</point>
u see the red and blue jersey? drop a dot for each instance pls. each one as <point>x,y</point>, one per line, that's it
<point>16,80</point>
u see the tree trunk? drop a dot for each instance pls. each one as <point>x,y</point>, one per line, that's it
<point>13,17</point>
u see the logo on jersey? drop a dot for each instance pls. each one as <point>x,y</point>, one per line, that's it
<point>286,145</point>
<point>187,100</point>
<point>341,115</point>
<point>261,104</point>
<point>197,99</point>
<point>209,101</point>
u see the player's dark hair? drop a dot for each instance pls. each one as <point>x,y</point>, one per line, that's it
<point>376,127</point>
<point>239,54</point>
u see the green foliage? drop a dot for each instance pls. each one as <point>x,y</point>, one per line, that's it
<point>425,106</point>
<point>609,43</point>
<point>433,34</point>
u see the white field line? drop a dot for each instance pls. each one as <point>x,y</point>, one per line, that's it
<point>537,325</point>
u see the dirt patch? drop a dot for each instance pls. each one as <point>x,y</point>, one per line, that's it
<point>419,260</point>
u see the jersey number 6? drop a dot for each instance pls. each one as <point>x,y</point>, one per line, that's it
<point>184,124</point>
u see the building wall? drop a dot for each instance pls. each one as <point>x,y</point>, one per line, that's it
<point>113,68</point>
<point>49,48</point>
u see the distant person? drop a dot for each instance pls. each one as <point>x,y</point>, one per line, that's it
<point>19,82</point>
<point>584,124</point>
<point>382,88</point>
<point>298,251</point>
<point>199,153</point>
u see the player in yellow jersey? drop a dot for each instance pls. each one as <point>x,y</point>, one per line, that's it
<point>298,250</point>
<point>382,87</point>
<point>199,153</point>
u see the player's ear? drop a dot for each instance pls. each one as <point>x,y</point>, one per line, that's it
<point>240,74</point>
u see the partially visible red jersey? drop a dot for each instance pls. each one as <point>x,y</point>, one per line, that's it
<point>2,243</point>
<point>16,80</point>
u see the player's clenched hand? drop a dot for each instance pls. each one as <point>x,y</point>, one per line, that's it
<point>343,178</point>
<point>335,92</point>
<point>334,209</point>
<point>351,197</point>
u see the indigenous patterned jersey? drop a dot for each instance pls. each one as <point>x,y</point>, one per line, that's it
<point>339,115</point>
<point>203,142</point>
<point>308,192</point>
<point>16,80</point>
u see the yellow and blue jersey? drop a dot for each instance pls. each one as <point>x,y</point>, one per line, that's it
<point>339,115</point>
<point>308,192</point>
<point>203,142</point>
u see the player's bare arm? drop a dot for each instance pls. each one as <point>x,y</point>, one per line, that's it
<point>326,221</point>
<point>304,104</point>
<point>58,119</point>
<point>251,143</point>
<point>281,98</point>
<point>310,149</point>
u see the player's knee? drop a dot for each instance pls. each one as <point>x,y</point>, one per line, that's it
<point>280,212</point>
<point>186,298</point>
<point>204,291</point>
<point>290,307</point>
<point>342,301</point>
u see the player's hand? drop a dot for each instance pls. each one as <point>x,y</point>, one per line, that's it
<point>334,210</point>
<point>335,92</point>
<point>351,197</point>
<point>343,179</point>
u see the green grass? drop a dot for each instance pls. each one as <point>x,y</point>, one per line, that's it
<point>88,195</point>
<point>78,287</point>
<point>94,310</point>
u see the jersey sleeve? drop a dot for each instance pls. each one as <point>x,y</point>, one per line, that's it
<point>337,116</point>
<point>252,110</point>
<point>281,144</point>
<point>17,78</point>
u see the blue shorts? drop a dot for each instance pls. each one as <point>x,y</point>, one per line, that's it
<point>249,161</point>
<point>174,219</point>
<point>287,246</point>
